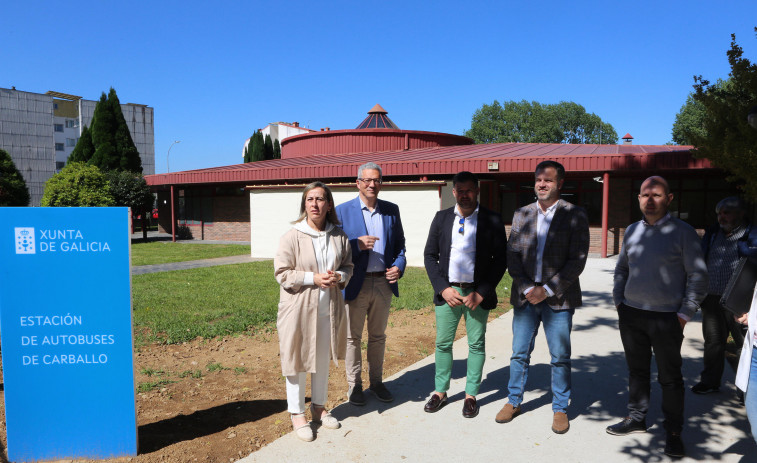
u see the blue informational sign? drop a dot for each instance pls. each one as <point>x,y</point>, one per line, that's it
<point>66,331</point>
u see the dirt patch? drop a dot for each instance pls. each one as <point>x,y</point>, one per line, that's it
<point>220,400</point>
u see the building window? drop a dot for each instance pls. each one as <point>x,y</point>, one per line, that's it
<point>59,147</point>
<point>586,193</point>
<point>58,127</point>
<point>59,165</point>
<point>196,206</point>
<point>70,123</point>
<point>70,142</point>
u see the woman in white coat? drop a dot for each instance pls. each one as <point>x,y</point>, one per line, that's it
<point>746,374</point>
<point>312,265</point>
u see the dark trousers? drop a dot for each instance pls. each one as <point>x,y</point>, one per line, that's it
<point>717,322</point>
<point>643,332</point>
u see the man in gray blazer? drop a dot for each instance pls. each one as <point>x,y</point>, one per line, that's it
<point>546,253</point>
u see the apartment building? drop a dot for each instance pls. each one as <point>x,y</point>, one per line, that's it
<point>41,130</point>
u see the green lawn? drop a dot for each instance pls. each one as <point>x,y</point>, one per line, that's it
<point>163,252</point>
<point>173,307</point>
<point>178,306</point>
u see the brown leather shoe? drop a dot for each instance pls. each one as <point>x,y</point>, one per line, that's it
<point>435,403</point>
<point>470,408</point>
<point>560,423</point>
<point>507,413</point>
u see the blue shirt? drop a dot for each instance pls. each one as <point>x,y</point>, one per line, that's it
<point>374,225</point>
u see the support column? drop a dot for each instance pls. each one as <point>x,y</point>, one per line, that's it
<point>173,218</point>
<point>605,210</point>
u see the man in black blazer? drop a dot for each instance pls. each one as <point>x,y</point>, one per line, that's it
<point>465,258</point>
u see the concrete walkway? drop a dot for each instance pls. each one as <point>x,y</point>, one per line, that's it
<point>142,269</point>
<point>717,428</point>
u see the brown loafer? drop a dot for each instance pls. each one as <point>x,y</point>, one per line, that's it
<point>470,408</point>
<point>507,413</point>
<point>560,423</point>
<point>435,403</point>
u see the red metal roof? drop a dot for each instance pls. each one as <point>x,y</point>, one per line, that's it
<point>447,160</point>
<point>338,142</point>
<point>627,136</point>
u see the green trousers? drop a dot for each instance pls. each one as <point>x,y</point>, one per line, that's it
<point>447,319</point>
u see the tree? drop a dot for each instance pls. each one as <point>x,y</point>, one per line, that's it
<point>84,149</point>
<point>533,122</point>
<point>114,147</point>
<point>130,189</point>
<point>13,190</point>
<point>727,139</point>
<point>690,119</point>
<point>248,149</point>
<point>77,185</point>
<point>276,149</point>
<point>268,147</point>
<point>257,150</point>
<point>127,151</point>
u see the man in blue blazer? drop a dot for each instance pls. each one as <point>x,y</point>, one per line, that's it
<point>378,252</point>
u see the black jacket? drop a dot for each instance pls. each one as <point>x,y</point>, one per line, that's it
<point>491,254</point>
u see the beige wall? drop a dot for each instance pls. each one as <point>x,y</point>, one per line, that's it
<point>271,212</point>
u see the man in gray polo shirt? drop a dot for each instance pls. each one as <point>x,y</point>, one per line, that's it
<point>660,279</point>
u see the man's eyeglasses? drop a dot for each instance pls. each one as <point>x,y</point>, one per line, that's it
<point>368,181</point>
<point>462,226</point>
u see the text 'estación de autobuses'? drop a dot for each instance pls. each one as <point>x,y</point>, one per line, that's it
<point>56,340</point>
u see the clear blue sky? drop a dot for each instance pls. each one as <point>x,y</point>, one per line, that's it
<point>216,71</point>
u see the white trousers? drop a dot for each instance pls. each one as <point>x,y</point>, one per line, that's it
<point>319,381</point>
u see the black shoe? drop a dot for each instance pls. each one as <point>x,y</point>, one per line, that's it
<point>674,446</point>
<point>701,388</point>
<point>627,426</point>
<point>435,403</point>
<point>356,395</point>
<point>381,392</point>
<point>470,408</point>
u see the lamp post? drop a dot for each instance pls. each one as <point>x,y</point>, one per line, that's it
<point>168,166</point>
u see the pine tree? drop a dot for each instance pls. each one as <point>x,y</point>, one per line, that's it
<point>257,153</point>
<point>268,147</point>
<point>84,149</point>
<point>276,149</point>
<point>125,147</point>
<point>248,149</point>
<point>13,190</point>
<point>103,131</point>
<point>114,148</point>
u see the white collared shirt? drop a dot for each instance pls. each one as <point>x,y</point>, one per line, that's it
<point>462,256</point>
<point>543,221</point>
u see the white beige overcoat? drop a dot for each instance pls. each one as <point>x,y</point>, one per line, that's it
<point>298,303</point>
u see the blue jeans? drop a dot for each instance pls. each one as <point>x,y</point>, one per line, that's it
<point>557,327</point>
<point>750,398</point>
